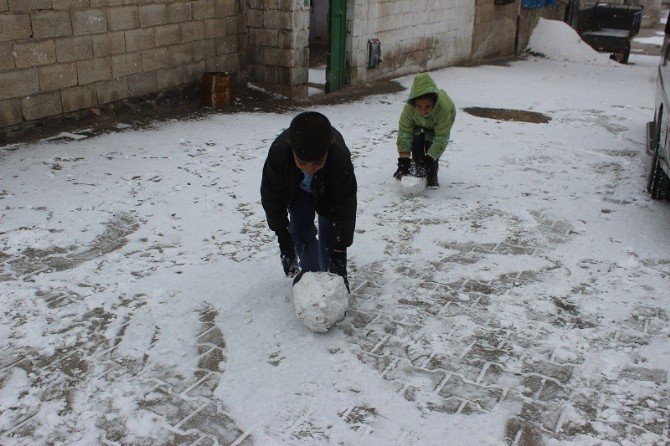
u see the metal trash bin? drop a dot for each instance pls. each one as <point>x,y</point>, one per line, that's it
<point>216,87</point>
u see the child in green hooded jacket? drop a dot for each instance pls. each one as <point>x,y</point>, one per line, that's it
<point>425,125</point>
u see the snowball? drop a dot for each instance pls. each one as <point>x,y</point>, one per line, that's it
<point>320,300</point>
<point>411,186</point>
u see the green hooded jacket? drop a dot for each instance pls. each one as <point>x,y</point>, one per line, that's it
<point>436,124</point>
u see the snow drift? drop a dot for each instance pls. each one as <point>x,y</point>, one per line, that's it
<point>556,40</point>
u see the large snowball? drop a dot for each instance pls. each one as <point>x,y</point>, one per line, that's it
<point>411,186</point>
<point>320,300</point>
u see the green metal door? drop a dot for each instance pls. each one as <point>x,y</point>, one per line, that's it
<point>337,33</point>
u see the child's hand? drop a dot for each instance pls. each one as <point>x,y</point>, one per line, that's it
<point>290,265</point>
<point>338,265</point>
<point>427,161</point>
<point>403,167</point>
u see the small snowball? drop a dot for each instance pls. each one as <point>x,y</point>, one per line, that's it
<point>320,300</point>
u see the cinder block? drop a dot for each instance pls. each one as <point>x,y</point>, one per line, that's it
<point>286,57</point>
<point>169,78</point>
<point>154,59</point>
<point>255,18</point>
<point>32,54</point>
<point>192,72</point>
<point>180,54</point>
<point>227,45</point>
<point>208,48</point>
<point>300,20</point>
<point>203,9</point>
<point>111,91</point>
<point>105,3</point>
<point>6,56</point>
<point>280,19</point>
<point>142,84</point>
<point>14,84</point>
<point>122,18</point>
<point>228,62</point>
<point>10,112</point>
<point>27,5</point>
<point>56,77</point>
<point>51,24</point>
<point>90,21</point>
<point>68,5</point>
<point>191,31</point>
<point>125,64</point>
<point>14,27</point>
<point>179,12</point>
<point>291,5</point>
<point>232,25</point>
<point>270,56</point>
<point>41,105</point>
<point>214,28</point>
<point>139,39</point>
<point>203,49</point>
<point>152,15</point>
<point>263,37</point>
<point>167,35</point>
<point>78,98</point>
<point>74,48</point>
<point>293,38</point>
<point>109,44</point>
<point>299,75</point>
<point>226,8</point>
<point>94,70</point>
<point>255,55</point>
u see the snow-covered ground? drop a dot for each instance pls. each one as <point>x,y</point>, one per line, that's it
<point>524,302</point>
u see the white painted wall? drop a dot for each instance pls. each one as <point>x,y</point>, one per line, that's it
<point>416,35</point>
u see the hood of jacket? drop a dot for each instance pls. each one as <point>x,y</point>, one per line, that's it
<point>423,84</point>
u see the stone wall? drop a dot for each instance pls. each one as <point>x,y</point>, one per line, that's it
<point>651,14</point>
<point>415,35</point>
<point>278,45</point>
<point>60,56</point>
<point>494,30</point>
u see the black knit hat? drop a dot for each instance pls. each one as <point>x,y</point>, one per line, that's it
<point>310,136</point>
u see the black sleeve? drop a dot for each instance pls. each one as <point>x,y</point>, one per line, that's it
<point>343,205</point>
<point>274,190</point>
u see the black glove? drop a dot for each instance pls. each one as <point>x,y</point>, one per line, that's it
<point>290,265</point>
<point>403,167</point>
<point>338,265</point>
<point>289,258</point>
<point>424,165</point>
<point>297,278</point>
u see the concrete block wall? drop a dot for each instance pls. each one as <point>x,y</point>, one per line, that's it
<point>60,56</point>
<point>278,45</point>
<point>415,35</point>
<point>651,14</point>
<point>494,31</point>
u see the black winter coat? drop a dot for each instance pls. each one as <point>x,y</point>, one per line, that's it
<point>334,188</point>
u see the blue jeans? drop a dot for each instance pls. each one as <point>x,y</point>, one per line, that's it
<point>314,254</point>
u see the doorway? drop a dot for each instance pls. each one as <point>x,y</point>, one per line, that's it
<point>327,46</point>
<point>318,46</point>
